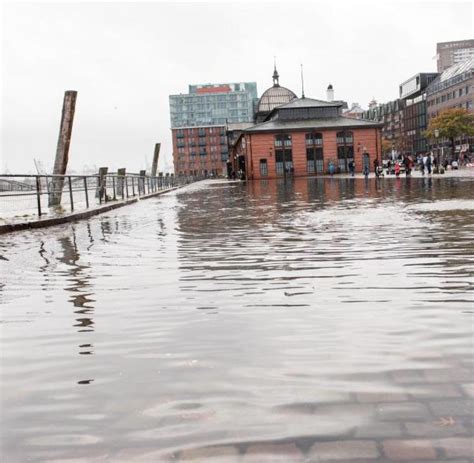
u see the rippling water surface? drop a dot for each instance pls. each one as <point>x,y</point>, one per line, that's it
<point>255,322</point>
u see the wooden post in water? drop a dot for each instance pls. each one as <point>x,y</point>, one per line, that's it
<point>141,183</point>
<point>121,182</point>
<point>154,165</point>
<point>62,150</point>
<point>156,155</point>
<point>101,191</point>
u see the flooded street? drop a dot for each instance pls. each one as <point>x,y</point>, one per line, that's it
<point>320,320</point>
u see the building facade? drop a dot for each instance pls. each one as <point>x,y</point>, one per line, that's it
<point>198,124</point>
<point>355,111</point>
<point>450,53</point>
<point>302,138</point>
<point>391,115</point>
<point>453,88</point>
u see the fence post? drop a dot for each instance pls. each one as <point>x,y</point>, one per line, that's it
<point>133,186</point>
<point>126,184</point>
<point>38,195</point>
<point>113,186</point>
<point>70,193</point>
<point>87,194</point>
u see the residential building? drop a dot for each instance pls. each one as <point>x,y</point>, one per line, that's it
<point>302,137</point>
<point>449,53</point>
<point>198,124</point>
<point>391,114</point>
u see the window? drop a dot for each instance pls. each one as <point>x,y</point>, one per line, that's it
<point>345,150</point>
<point>314,160</point>
<point>460,92</point>
<point>284,139</point>
<point>314,139</point>
<point>263,168</point>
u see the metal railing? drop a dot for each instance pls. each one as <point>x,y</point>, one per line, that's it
<point>39,195</point>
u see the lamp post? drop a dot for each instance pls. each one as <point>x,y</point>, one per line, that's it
<point>436,134</point>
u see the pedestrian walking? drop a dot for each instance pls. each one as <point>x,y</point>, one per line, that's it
<point>351,167</point>
<point>331,168</point>
<point>376,167</point>
<point>428,164</point>
<point>397,169</point>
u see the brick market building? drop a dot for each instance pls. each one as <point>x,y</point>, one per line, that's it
<point>302,137</point>
<point>198,125</point>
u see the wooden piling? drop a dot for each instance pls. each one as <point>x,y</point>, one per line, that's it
<point>62,150</point>
<point>156,155</point>
<point>121,182</point>
<point>101,190</point>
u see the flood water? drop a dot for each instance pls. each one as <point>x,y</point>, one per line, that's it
<point>318,320</point>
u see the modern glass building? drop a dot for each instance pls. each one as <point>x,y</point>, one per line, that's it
<point>213,104</point>
<point>198,124</point>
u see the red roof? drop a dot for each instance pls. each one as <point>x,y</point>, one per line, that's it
<point>222,89</point>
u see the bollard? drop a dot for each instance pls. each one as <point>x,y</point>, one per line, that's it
<point>113,187</point>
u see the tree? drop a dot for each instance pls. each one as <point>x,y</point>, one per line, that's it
<point>451,124</point>
<point>386,147</point>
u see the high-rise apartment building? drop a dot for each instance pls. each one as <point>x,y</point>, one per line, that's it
<point>449,53</point>
<point>198,124</point>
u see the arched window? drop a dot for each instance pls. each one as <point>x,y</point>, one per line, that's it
<point>314,153</point>
<point>345,150</point>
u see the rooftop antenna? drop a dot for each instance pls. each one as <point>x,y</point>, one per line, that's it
<point>302,83</point>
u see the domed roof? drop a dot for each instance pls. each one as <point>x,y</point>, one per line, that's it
<point>274,96</point>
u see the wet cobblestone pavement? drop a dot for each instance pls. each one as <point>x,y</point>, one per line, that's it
<point>323,320</point>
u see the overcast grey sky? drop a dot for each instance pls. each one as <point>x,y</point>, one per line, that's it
<point>124,59</point>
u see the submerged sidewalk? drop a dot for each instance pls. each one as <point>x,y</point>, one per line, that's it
<point>19,223</point>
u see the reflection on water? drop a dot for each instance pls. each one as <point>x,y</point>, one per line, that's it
<point>226,317</point>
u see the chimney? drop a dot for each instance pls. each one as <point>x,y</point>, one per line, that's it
<point>330,93</point>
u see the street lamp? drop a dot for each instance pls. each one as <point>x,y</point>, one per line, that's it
<point>436,134</point>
